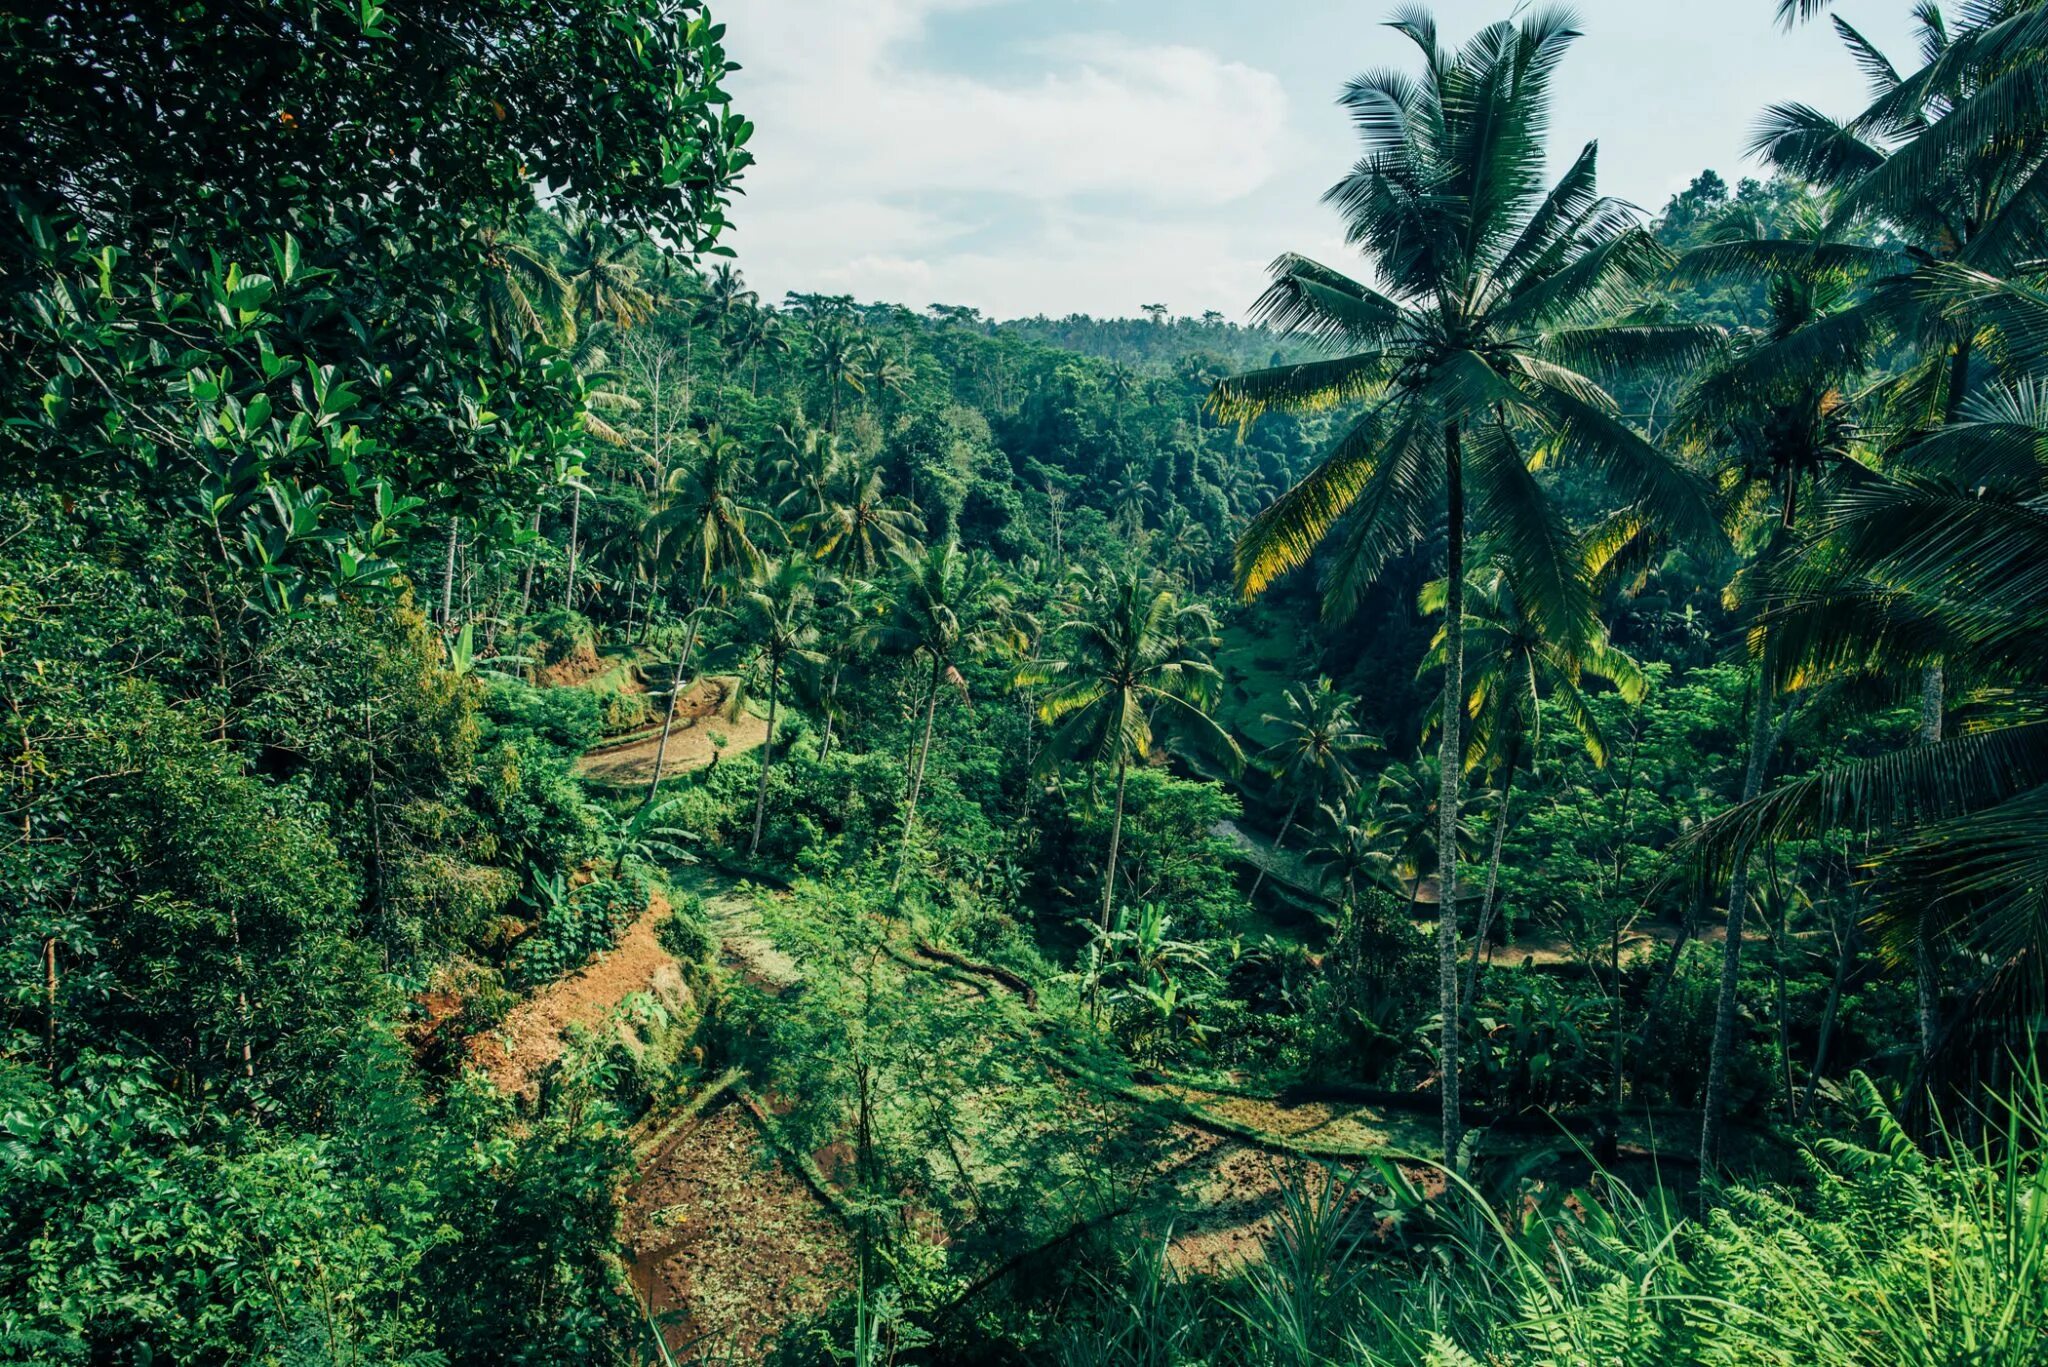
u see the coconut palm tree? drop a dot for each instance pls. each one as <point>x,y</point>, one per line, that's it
<point>835,360</point>
<point>1187,546</point>
<point>760,333</point>
<point>1404,823</point>
<point>1313,757</point>
<point>1945,159</point>
<point>775,632</point>
<point>1940,558</point>
<point>1511,667</point>
<point>806,459</point>
<point>590,355</point>
<point>726,304</point>
<point>1119,672</point>
<point>519,291</point>
<point>1485,319</point>
<point>883,372</point>
<point>860,526</point>
<point>705,530</point>
<point>949,607</point>
<point>1348,848</point>
<point>1773,419</point>
<point>602,275</point>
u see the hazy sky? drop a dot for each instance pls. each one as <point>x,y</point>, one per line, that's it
<point>1047,156</point>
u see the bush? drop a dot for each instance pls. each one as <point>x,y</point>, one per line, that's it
<point>536,807</point>
<point>566,720</point>
<point>576,928</point>
<point>686,931</point>
<point>620,711</point>
<point>562,635</point>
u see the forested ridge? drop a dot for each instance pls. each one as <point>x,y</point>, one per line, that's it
<point>559,810</point>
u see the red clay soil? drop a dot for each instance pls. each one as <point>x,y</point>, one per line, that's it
<point>534,1033</point>
<point>580,665</point>
<point>726,1246</point>
<point>700,713</point>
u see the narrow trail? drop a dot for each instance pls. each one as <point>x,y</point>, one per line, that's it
<point>703,733</point>
<point>535,1032</point>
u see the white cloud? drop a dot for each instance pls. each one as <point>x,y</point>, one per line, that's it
<point>885,178</point>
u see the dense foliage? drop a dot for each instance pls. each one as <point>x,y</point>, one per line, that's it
<point>1488,815</point>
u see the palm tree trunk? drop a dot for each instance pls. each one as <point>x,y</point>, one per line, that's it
<point>1844,951</point>
<point>1450,760</point>
<point>1286,824</point>
<point>1780,929</point>
<point>575,517</point>
<point>1500,831</point>
<point>924,749</point>
<point>1926,985</point>
<point>448,575</point>
<point>526,579</point>
<point>1116,836</point>
<point>767,763</point>
<point>668,720</point>
<point>1716,1101</point>
<point>831,712</point>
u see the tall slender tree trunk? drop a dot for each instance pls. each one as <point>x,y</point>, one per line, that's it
<point>1485,927</point>
<point>1781,930</point>
<point>1116,836</point>
<point>831,713</point>
<point>1926,982</point>
<point>1844,952</point>
<point>1451,760</point>
<point>767,763</point>
<point>50,1003</point>
<point>526,579</point>
<point>448,574</point>
<point>1286,825</point>
<point>668,720</point>
<point>1716,1100</point>
<point>924,750</point>
<point>575,518</point>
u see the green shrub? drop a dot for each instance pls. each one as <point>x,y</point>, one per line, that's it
<point>686,931</point>
<point>575,928</point>
<point>562,635</point>
<point>620,712</point>
<point>567,720</point>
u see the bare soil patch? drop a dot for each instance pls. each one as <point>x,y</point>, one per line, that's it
<point>727,1247</point>
<point>535,1031</point>
<point>700,713</point>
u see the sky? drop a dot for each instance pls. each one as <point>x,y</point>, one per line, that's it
<point>1056,156</point>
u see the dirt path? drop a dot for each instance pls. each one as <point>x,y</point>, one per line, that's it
<point>534,1033</point>
<point>700,717</point>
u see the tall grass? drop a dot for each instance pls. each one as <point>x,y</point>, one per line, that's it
<point>1879,1254</point>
